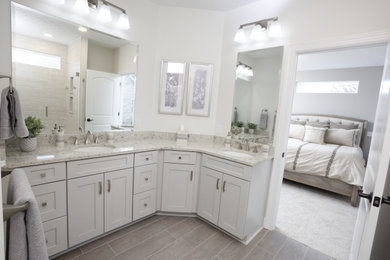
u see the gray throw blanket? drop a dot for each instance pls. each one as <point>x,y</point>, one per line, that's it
<point>11,118</point>
<point>26,239</point>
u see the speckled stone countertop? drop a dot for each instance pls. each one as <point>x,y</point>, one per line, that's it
<point>52,154</point>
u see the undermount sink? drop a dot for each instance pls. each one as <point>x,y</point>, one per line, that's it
<point>94,149</point>
<point>238,154</point>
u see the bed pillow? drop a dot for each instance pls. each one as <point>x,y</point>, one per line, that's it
<point>318,124</point>
<point>314,134</point>
<point>341,136</point>
<point>343,126</point>
<point>297,122</point>
<point>297,131</point>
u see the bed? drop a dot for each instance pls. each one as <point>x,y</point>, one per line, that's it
<point>336,167</point>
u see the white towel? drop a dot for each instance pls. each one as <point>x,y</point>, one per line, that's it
<point>26,239</point>
<point>11,112</point>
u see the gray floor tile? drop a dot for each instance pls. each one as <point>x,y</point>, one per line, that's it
<point>101,253</point>
<point>174,251</point>
<point>273,241</point>
<point>199,234</point>
<point>291,250</point>
<point>259,253</point>
<point>184,227</point>
<point>312,254</point>
<point>70,255</point>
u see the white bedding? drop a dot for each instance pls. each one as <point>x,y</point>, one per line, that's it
<point>343,163</point>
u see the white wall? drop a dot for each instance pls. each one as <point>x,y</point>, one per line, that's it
<point>124,59</point>
<point>361,105</point>
<point>101,58</point>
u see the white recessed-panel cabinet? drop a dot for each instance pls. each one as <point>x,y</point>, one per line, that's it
<point>178,187</point>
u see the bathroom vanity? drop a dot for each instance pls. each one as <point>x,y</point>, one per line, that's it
<point>84,196</point>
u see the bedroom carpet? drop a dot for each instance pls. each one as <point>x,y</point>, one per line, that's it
<point>322,220</point>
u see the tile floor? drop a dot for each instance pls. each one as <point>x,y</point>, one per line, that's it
<point>167,237</point>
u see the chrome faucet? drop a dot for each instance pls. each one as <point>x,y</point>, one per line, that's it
<point>89,134</point>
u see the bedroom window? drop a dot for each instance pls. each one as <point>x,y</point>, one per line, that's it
<point>328,87</point>
<point>36,58</point>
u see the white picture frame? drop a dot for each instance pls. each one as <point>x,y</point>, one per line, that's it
<point>200,77</point>
<point>172,87</point>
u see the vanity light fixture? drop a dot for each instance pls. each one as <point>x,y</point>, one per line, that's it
<point>258,30</point>
<point>82,29</point>
<point>57,2</point>
<point>48,35</point>
<point>82,7</point>
<point>244,71</point>
<point>123,21</point>
<point>104,14</point>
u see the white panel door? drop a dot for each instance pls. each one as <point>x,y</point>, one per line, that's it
<point>85,208</point>
<point>234,205</point>
<point>102,100</point>
<point>376,171</point>
<point>178,187</point>
<point>209,194</point>
<point>118,201</point>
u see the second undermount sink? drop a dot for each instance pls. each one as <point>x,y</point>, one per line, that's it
<point>94,149</point>
<point>238,154</point>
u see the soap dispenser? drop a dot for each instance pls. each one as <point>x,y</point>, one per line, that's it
<point>60,139</point>
<point>182,136</point>
<point>228,140</point>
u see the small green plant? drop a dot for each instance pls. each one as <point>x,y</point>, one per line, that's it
<point>239,124</point>
<point>34,126</point>
<point>251,126</point>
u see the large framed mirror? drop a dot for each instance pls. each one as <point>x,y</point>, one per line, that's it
<point>256,94</point>
<point>72,76</point>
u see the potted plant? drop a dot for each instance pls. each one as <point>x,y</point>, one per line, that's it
<point>252,127</point>
<point>34,126</point>
<point>240,124</point>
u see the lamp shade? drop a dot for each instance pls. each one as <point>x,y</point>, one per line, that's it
<point>274,29</point>
<point>81,7</point>
<point>240,36</point>
<point>257,33</point>
<point>123,22</point>
<point>104,14</point>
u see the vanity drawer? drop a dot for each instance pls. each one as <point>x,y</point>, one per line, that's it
<point>56,235</point>
<point>145,158</point>
<point>51,199</point>
<point>45,173</point>
<point>144,204</point>
<point>180,157</point>
<point>99,165</point>
<point>145,178</point>
<point>232,168</point>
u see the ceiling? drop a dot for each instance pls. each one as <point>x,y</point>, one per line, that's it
<point>216,5</point>
<point>264,53</point>
<point>369,56</point>
<point>32,23</point>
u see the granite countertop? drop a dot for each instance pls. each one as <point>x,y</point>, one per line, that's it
<point>52,154</point>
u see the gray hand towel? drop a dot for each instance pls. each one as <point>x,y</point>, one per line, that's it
<point>11,117</point>
<point>26,239</point>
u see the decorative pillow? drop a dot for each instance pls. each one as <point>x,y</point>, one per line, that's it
<point>343,126</point>
<point>318,124</point>
<point>341,136</point>
<point>297,122</point>
<point>314,134</point>
<point>297,131</point>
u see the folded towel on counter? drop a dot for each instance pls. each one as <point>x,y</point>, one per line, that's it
<point>11,118</point>
<point>26,239</point>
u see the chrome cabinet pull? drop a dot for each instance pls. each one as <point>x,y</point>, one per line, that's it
<point>43,175</point>
<point>217,184</point>
<point>179,157</point>
<point>146,178</point>
<point>147,158</point>
<point>224,186</point>
<point>44,204</point>
<point>145,205</point>
<point>192,175</point>
<point>109,185</point>
<point>100,187</point>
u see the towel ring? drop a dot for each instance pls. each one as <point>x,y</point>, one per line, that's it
<point>10,81</point>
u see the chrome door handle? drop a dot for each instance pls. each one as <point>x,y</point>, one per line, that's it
<point>192,175</point>
<point>365,195</point>
<point>224,186</point>
<point>386,200</point>
<point>43,175</point>
<point>217,184</point>
<point>109,185</point>
<point>100,187</point>
<point>44,204</point>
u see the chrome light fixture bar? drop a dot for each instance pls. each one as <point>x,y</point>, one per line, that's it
<point>271,25</point>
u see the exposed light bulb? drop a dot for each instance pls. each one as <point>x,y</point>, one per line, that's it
<point>240,36</point>
<point>250,72</point>
<point>123,22</point>
<point>81,6</point>
<point>274,29</point>
<point>104,14</point>
<point>257,33</point>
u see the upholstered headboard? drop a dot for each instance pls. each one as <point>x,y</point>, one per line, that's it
<point>362,124</point>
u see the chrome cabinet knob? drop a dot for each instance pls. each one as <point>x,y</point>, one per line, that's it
<point>43,175</point>
<point>44,204</point>
<point>146,179</point>
<point>145,205</point>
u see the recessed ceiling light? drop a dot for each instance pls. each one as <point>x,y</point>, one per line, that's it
<point>82,29</point>
<point>48,35</point>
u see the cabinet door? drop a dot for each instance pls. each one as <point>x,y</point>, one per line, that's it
<point>85,208</point>
<point>118,198</point>
<point>178,187</point>
<point>234,203</point>
<point>209,194</point>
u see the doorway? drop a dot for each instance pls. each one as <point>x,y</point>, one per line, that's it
<point>329,141</point>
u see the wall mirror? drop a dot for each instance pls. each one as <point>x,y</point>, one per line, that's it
<point>256,94</point>
<point>72,76</point>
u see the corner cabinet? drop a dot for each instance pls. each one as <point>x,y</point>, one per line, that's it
<point>233,196</point>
